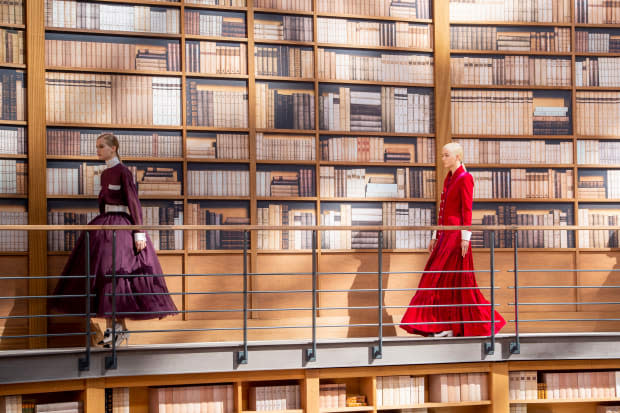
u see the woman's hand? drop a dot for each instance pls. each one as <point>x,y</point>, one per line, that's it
<point>431,245</point>
<point>140,245</point>
<point>464,247</point>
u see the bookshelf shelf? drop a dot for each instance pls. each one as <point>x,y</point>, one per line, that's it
<point>13,156</point>
<point>527,200</point>
<point>208,160</point>
<point>508,24</point>
<point>370,82</point>
<point>378,163</point>
<point>598,201</point>
<point>274,411</point>
<point>598,88</point>
<point>366,250</point>
<point>159,252</point>
<point>125,158</point>
<point>591,54</point>
<point>279,11</point>
<point>527,249</point>
<point>282,252</point>
<point>363,133</point>
<point>12,66</point>
<point>13,196</point>
<point>384,48</point>
<point>508,53</point>
<point>546,137</point>
<point>374,18</point>
<point>283,42</point>
<point>286,198</point>
<point>107,126</point>
<point>142,197</point>
<point>327,199</point>
<point>214,252</point>
<point>13,253</point>
<point>561,401</point>
<point>435,405</point>
<point>512,87</point>
<point>13,122</point>
<point>287,131</point>
<point>584,166</point>
<point>214,129</point>
<point>595,26</point>
<point>284,78</point>
<point>215,76</point>
<point>348,409</point>
<point>145,2</point>
<point>215,38</point>
<point>112,32</point>
<point>273,162</point>
<point>521,165</point>
<point>113,71</point>
<point>213,7</point>
<point>215,198</point>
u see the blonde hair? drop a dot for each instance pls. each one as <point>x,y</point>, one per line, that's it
<point>455,149</point>
<point>111,141</point>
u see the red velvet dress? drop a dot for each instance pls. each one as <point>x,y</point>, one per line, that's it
<point>142,293</point>
<point>456,207</point>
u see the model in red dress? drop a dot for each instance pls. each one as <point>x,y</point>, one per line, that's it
<point>450,250</point>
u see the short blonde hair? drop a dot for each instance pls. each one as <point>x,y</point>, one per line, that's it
<point>455,149</point>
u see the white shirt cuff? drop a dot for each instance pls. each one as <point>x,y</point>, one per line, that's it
<point>434,236</point>
<point>465,235</point>
<point>139,236</point>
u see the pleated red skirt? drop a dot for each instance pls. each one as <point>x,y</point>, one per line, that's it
<point>447,257</point>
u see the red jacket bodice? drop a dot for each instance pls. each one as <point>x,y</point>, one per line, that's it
<point>456,199</point>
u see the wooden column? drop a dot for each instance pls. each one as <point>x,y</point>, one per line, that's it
<point>37,203</point>
<point>94,396</point>
<point>441,46</point>
<point>498,388</point>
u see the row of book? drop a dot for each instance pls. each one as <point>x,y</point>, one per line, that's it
<point>599,238</point>
<point>582,385</point>
<point>542,11</point>
<point>218,398</point>
<point>509,215</point>
<point>338,64</point>
<point>11,46</point>
<point>458,387</point>
<point>518,408</point>
<point>113,17</point>
<point>12,94</point>
<point>13,12</point>
<point>406,9</point>
<point>603,185</point>
<point>171,214</point>
<point>285,214</point>
<point>597,12</point>
<point>336,182</point>
<point>273,398</point>
<point>17,404</point>
<point>218,182</point>
<point>279,60</point>
<point>598,152</point>
<point>492,151</point>
<point>209,23</point>
<point>217,105</point>
<point>115,54</point>
<point>390,109</point>
<point>597,42</point>
<point>226,3</point>
<point>13,176</point>
<point>390,213</point>
<point>508,112</point>
<point>285,147</point>
<point>11,240</point>
<point>76,142</point>
<point>523,184</point>
<point>370,33</point>
<point>218,146</point>
<point>117,400</point>
<point>101,98</point>
<point>284,108</point>
<point>13,140</point>
<point>607,409</point>
<point>376,149</point>
<point>293,183</point>
<point>332,395</point>
<point>216,57</point>
<point>297,5</point>
<point>595,113</point>
<point>597,71</point>
<point>400,390</point>
<point>215,239</point>
<point>271,27</point>
<point>510,70</point>
<point>557,39</point>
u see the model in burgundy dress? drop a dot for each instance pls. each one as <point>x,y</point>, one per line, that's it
<point>119,205</point>
<point>450,253</point>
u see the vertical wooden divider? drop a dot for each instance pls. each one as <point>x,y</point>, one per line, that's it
<point>37,201</point>
<point>94,396</point>
<point>498,388</point>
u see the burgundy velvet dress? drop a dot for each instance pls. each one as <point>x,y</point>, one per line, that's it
<point>117,188</point>
<point>456,209</point>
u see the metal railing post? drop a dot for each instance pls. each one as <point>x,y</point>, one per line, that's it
<point>489,348</point>
<point>311,352</point>
<point>377,351</point>
<point>242,355</point>
<point>110,361</point>
<point>515,346</point>
<point>84,362</point>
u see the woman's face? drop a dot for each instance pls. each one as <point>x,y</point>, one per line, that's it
<point>105,152</point>
<point>450,161</point>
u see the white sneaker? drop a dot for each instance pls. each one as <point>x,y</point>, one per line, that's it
<point>445,333</point>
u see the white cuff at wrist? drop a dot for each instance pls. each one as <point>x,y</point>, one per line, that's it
<point>434,235</point>
<point>465,235</point>
<point>139,236</point>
